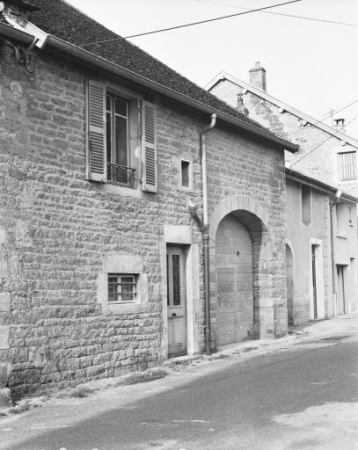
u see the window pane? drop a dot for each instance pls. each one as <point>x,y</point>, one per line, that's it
<point>112,289</point>
<point>121,107</point>
<point>122,288</point>
<point>176,280</point>
<point>168,281</point>
<point>127,288</point>
<point>121,141</point>
<point>108,103</point>
<point>109,137</point>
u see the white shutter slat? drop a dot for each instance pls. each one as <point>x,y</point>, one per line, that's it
<point>96,144</point>
<point>150,171</point>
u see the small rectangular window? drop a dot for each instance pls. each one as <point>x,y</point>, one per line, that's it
<point>347,166</point>
<point>306,204</point>
<point>185,173</point>
<point>122,288</point>
<point>341,219</point>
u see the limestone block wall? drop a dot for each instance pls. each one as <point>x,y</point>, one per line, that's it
<point>59,233</point>
<point>318,147</point>
<point>247,177</point>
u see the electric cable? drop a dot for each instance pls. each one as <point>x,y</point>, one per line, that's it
<point>322,120</point>
<point>187,24</point>
<point>282,14</point>
<point>319,145</point>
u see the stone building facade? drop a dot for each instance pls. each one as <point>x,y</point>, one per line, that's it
<point>321,181</point>
<point>101,263</point>
<point>327,154</point>
<point>320,258</point>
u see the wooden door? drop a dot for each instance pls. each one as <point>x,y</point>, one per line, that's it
<point>176,299</point>
<point>289,282</point>
<point>341,290</point>
<point>314,282</point>
<point>235,307</point>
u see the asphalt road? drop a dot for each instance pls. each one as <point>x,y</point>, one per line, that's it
<point>303,397</point>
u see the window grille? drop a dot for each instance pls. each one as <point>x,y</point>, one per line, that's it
<point>122,288</point>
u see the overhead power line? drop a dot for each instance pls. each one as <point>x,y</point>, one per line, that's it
<point>325,118</point>
<point>335,112</point>
<point>186,25</point>
<point>319,145</point>
<point>212,20</point>
<point>282,14</point>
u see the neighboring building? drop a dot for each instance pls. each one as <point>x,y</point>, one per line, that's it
<point>100,261</point>
<point>321,253</point>
<point>326,153</point>
<point>327,158</point>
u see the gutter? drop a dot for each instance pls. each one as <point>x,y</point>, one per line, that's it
<point>101,63</point>
<point>319,185</point>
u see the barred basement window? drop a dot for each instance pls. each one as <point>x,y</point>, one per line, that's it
<point>347,166</point>
<point>122,288</point>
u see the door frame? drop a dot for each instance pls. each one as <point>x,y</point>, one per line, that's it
<point>319,277</point>
<point>181,236</point>
<point>180,251</point>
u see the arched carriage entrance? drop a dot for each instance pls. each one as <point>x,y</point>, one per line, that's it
<point>248,279</point>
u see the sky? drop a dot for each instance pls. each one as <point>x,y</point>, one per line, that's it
<point>311,65</point>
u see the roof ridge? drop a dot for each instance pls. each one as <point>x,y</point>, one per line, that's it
<point>259,92</point>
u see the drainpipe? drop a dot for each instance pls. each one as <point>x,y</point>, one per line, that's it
<point>204,228</point>
<point>331,204</point>
<point>333,257</point>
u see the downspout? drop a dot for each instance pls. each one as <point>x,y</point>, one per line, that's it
<point>332,261</point>
<point>333,256</point>
<point>204,228</point>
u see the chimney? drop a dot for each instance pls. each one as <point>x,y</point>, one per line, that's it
<point>240,105</point>
<point>258,77</point>
<point>339,125</point>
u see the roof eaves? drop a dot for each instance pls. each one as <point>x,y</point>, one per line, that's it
<point>76,51</point>
<point>319,185</point>
<point>260,93</point>
<point>90,58</point>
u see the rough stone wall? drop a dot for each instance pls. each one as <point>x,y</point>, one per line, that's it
<point>318,150</point>
<point>56,229</point>
<point>254,172</point>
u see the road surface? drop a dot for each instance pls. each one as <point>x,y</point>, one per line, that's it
<point>301,397</point>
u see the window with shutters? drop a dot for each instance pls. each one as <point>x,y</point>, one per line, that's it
<point>121,138</point>
<point>347,166</point>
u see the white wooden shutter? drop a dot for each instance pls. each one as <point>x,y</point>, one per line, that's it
<point>149,149</point>
<point>96,143</point>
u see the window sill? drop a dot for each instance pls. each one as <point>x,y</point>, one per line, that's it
<point>341,236</point>
<point>123,308</point>
<point>117,189</point>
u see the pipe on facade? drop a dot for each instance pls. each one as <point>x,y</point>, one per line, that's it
<point>334,290</point>
<point>333,204</point>
<point>205,233</point>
